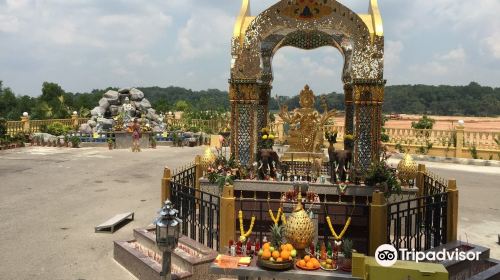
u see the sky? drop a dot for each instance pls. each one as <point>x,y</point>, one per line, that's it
<point>89,44</point>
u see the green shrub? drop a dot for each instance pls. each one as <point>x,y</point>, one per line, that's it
<point>423,123</point>
<point>58,129</point>
<point>194,129</point>
<point>473,152</point>
<point>384,138</point>
<point>43,128</point>
<point>382,175</point>
<point>20,138</point>
<point>3,127</point>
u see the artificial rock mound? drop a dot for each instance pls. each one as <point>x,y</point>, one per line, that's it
<point>127,104</point>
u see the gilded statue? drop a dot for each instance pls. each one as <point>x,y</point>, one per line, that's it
<point>306,123</point>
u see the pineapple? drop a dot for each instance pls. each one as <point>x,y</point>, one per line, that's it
<point>276,236</point>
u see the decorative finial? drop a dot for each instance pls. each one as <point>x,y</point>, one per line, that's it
<point>299,203</point>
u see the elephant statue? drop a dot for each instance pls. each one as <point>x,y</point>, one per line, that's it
<point>268,162</point>
<point>340,161</point>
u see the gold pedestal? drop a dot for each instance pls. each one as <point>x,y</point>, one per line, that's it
<point>303,157</point>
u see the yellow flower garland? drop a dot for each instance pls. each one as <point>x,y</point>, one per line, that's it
<point>277,218</point>
<point>346,226</point>
<point>283,219</point>
<point>242,230</point>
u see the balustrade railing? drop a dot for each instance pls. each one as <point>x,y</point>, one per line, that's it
<point>14,127</point>
<point>481,139</point>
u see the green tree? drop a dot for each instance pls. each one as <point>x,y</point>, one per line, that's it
<point>53,101</point>
<point>181,105</point>
<point>423,123</point>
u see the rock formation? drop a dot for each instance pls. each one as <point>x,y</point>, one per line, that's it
<point>122,107</point>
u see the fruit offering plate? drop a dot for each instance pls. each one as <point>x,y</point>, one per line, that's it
<point>306,268</point>
<point>328,265</point>
<point>285,265</point>
<point>330,269</point>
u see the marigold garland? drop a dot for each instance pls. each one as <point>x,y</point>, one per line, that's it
<point>335,236</point>
<point>277,218</point>
<point>242,230</point>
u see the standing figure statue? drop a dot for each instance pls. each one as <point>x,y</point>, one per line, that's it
<point>136,136</point>
<point>128,111</point>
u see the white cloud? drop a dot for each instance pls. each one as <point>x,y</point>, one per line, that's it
<point>492,44</point>
<point>446,67</point>
<point>9,24</point>
<point>313,68</point>
<point>205,33</point>
<point>455,56</point>
<point>392,53</point>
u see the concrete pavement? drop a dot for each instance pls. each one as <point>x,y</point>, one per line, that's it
<point>51,199</point>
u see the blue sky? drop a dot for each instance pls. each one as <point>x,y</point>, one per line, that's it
<point>87,44</point>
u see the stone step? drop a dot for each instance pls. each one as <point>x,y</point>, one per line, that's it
<point>492,273</point>
<point>140,265</point>
<point>189,255</point>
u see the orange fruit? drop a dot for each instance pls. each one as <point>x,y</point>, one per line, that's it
<point>307,258</point>
<point>279,259</point>
<point>276,255</point>
<point>315,263</point>
<point>266,254</point>
<point>302,263</point>
<point>310,265</point>
<point>266,246</point>
<point>285,254</point>
<point>289,247</point>
<point>282,247</point>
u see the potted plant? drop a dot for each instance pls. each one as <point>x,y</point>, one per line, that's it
<point>152,140</point>
<point>383,177</point>
<point>111,143</point>
<point>347,251</point>
<point>75,141</point>
<point>66,140</point>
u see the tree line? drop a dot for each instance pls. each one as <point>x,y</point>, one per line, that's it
<point>54,102</point>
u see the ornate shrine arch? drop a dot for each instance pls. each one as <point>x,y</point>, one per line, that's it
<point>307,24</point>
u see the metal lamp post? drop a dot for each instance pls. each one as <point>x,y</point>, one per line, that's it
<point>167,236</point>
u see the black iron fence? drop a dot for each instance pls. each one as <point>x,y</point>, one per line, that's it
<point>433,186</point>
<point>358,210</point>
<point>199,211</point>
<point>419,223</point>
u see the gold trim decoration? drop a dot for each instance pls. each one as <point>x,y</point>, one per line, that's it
<point>368,94</point>
<point>278,215</point>
<point>306,10</point>
<point>332,230</point>
<point>245,234</point>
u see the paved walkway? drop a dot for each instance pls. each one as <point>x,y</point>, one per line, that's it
<point>51,199</point>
